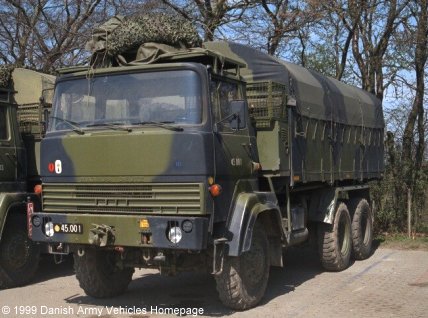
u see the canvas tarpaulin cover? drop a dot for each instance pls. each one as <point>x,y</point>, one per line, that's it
<point>317,96</point>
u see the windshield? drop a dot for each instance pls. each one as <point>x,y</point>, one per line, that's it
<point>170,97</point>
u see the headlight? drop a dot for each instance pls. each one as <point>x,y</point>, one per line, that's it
<point>175,234</point>
<point>49,229</point>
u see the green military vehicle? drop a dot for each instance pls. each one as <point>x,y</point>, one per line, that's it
<point>21,129</point>
<point>212,158</point>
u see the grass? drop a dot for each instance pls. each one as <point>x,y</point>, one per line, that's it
<point>401,241</point>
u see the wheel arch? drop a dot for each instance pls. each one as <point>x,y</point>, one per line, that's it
<point>248,209</point>
<point>325,202</point>
<point>13,204</point>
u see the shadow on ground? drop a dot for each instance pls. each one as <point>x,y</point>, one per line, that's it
<point>149,290</point>
<point>48,269</point>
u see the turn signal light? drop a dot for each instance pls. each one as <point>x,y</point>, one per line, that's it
<point>215,190</point>
<point>38,189</point>
<point>210,180</point>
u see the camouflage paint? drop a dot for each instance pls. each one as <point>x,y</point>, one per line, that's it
<point>145,156</point>
<point>335,130</point>
<point>19,153</point>
<point>331,135</point>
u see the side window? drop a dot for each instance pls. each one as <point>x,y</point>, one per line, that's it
<point>221,95</point>
<point>3,124</point>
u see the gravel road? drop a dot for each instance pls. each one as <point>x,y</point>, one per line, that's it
<point>391,283</point>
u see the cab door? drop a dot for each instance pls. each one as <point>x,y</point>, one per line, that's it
<point>8,166</point>
<point>235,147</point>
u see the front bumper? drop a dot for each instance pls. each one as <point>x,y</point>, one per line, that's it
<point>124,230</point>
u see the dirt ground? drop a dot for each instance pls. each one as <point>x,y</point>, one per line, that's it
<point>391,283</point>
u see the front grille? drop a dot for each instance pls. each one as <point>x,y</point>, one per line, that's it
<point>156,198</point>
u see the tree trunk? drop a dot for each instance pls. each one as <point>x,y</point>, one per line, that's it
<point>409,212</point>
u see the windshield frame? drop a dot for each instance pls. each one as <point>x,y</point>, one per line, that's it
<point>201,77</point>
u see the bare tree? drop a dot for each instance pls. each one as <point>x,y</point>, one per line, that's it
<point>414,142</point>
<point>343,17</point>
<point>324,43</point>
<point>210,15</point>
<point>419,32</point>
<point>285,18</point>
<point>406,177</point>
<point>379,20</point>
<point>45,35</point>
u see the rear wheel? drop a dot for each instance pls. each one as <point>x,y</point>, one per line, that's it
<point>335,242</point>
<point>19,256</point>
<point>362,228</point>
<point>98,274</point>
<point>242,283</point>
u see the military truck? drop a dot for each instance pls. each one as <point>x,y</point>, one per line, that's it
<point>213,158</point>
<point>24,98</point>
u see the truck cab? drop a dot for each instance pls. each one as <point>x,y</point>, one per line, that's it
<point>166,143</point>
<point>21,129</point>
<point>10,145</point>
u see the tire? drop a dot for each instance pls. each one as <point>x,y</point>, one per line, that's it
<point>335,241</point>
<point>362,228</point>
<point>98,274</point>
<point>19,256</point>
<point>243,280</point>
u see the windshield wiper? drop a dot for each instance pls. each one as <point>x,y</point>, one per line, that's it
<point>114,126</point>
<point>162,124</point>
<point>75,126</point>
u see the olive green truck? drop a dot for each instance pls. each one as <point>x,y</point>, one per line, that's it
<point>24,98</point>
<point>213,158</point>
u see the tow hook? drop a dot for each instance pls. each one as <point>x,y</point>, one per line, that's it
<point>58,251</point>
<point>101,235</point>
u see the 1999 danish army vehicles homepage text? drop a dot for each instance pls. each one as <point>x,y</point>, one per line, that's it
<point>216,158</point>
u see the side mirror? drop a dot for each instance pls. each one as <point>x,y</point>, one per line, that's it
<point>239,108</point>
<point>46,113</point>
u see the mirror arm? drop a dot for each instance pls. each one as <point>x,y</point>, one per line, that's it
<point>231,116</point>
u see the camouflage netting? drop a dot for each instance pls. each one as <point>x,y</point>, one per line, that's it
<point>5,75</point>
<point>120,35</point>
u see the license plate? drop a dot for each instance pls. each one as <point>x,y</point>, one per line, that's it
<point>68,228</point>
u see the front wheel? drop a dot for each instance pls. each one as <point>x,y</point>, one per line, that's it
<point>243,280</point>
<point>98,274</point>
<point>19,256</point>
